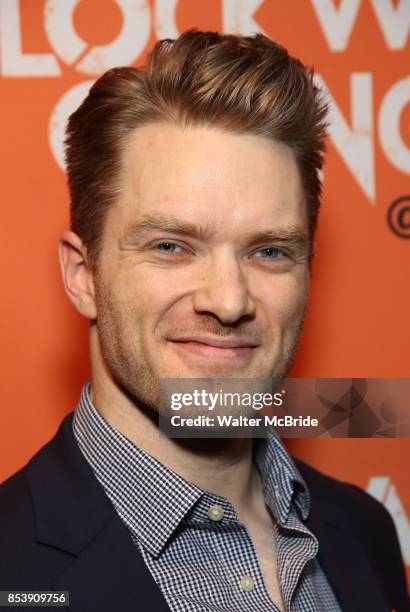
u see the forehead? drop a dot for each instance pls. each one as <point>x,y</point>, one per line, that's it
<point>233,179</point>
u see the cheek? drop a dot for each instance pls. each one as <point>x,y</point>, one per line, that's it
<point>284,298</point>
<point>145,297</point>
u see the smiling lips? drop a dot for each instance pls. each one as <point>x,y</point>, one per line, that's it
<point>217,343</point>
<point>215,347</point>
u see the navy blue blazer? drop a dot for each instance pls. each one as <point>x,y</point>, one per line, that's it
<point>59,531</point>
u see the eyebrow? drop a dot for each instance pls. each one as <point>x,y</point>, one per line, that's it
<point>152,222</point>
<point>157,222</point>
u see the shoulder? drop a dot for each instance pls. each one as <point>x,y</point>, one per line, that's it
<point>15,504</point>
<point>361,509</point>
<point>17,528</point>
<point>369,522</point>
<point>22,557</point>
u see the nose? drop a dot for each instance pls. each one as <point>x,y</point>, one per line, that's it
<point>223,290</point>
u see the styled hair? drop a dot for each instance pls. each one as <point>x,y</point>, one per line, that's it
<point>242,84</point>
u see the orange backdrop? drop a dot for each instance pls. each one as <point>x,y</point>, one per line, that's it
<point>357,324</point>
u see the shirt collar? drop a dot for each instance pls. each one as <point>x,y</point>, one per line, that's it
<point>152,499</point>
<point>282,482</point>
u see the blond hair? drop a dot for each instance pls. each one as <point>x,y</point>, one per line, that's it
<point>242,84</point>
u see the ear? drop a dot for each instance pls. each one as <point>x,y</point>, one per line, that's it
<point>77,275</point>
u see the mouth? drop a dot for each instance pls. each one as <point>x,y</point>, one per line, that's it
<point>216,349</point>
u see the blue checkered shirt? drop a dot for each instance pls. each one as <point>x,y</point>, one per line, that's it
<point>197,562</point>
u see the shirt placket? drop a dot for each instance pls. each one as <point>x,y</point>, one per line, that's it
<point>236,547</point>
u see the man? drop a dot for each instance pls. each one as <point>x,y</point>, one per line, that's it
<point>195,190</point>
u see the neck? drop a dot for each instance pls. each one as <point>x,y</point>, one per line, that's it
<point>221,466</point>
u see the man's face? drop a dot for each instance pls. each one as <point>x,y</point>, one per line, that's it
<point>204,267</point>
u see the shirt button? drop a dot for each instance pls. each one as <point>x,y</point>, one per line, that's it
<point>247,583</point>
<point>216,513</point>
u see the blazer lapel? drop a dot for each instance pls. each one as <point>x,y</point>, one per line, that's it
<point>105,570</point>
<point>343,559</point>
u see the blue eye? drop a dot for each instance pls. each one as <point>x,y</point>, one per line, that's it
<point>167,247</point>
<point>271,253</point>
